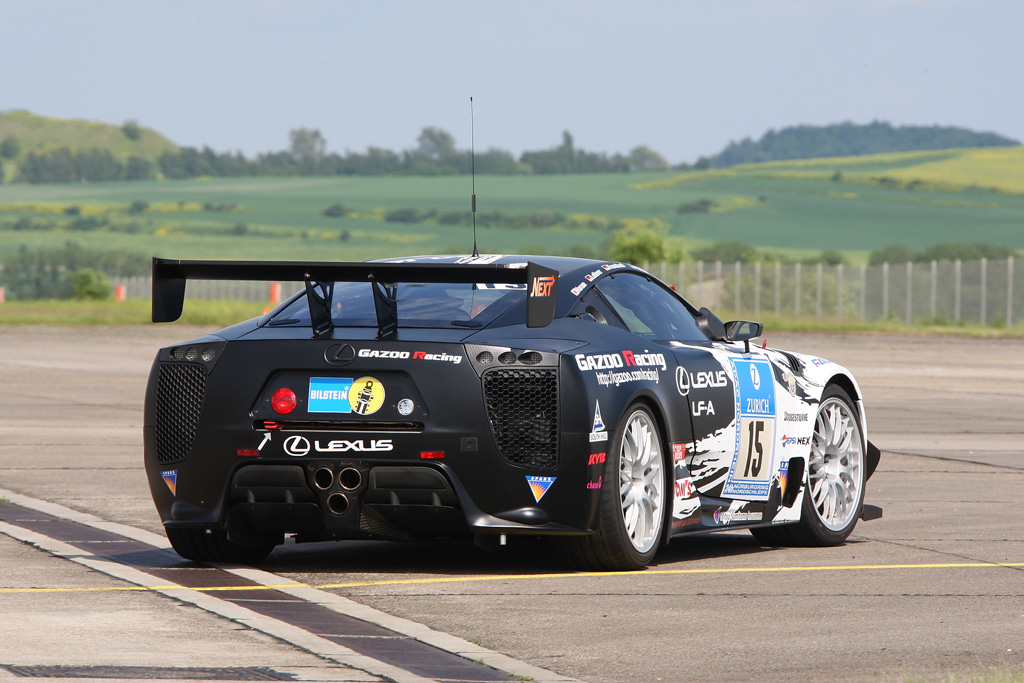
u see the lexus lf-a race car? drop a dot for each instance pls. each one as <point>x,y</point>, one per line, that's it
<point>491,396</point>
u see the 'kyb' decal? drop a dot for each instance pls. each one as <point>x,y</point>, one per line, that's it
<point>750,476</point>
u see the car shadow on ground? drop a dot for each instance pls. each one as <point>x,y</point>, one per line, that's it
<point>522,555</point>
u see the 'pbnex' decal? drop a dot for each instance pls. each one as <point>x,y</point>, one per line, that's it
<point>753,461</point>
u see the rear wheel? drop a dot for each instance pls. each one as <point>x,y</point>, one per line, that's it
<point>209,545</point>
<point>834,480</point>
<point>632,511</point>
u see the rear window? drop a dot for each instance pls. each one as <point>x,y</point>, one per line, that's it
<point>419,305</point>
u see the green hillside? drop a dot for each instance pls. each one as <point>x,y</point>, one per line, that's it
<point>36,133</point>
<point>854,204</point>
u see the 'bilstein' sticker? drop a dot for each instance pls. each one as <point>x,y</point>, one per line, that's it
<point>364,395</point>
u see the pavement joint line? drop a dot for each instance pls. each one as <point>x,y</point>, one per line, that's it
<point>268,581</point>
<point>295,636</point>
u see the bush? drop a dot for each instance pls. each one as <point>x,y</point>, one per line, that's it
<point>138,206</point>
<point>402,216</point>
<point>89,284</point>
<point>335,211</point>
<point>131,129</point>
<point>10,147</point>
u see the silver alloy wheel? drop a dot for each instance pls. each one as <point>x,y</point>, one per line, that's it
<point>835,468</point>
<point>641,481</point>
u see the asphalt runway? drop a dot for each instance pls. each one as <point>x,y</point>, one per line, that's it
<point>935,586</point>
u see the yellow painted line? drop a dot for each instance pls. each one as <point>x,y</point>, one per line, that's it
<point>517,577</point>
<point>108,589</point>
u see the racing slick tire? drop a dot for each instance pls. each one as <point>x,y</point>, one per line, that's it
<point>211,545</point>
<point>834,479</point>
<point>633,500</point>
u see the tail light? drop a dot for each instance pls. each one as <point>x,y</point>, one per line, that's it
<point>283,401</point>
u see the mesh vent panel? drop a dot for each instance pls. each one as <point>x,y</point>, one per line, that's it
<point>179,399</point>
<point>522,406</point>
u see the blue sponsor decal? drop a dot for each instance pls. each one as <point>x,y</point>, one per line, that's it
<point>756,393</point>
<point>753,460</point>
<point>329,395</point>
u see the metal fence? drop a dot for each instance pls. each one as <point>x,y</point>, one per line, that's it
<point>141,287</point>
<point>986,292</point>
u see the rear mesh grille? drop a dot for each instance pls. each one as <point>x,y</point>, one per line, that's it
<point>179,398</point>
<point>522,406</point>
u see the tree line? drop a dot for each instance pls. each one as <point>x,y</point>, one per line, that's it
<point>849,139</point>
<point>434,154</point>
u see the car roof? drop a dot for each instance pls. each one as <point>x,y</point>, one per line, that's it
<point>567,266</point>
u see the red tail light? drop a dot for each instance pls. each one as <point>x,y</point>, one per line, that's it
<point>283,401</point>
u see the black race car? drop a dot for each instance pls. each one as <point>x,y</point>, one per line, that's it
<point>492,396</point>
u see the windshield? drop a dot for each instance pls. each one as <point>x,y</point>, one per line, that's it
<point>419,305</point>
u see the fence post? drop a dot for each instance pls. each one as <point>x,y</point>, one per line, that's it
<point>910,280</point>
<point>718,284</point>
<point>736,269</point>
<point>681,286</point>
<point>956,291</point>
<point>757,290</point>
<point>796,297</point>
<point>885,290</point>
<point>863,291</point>
<point>700,281</point>
<point>664,272</point>
<point>817,295</point>
<point>1009,291</point>
<point>839,291</point>
<point>933,284</point>
<point>778,287</point>
<point>984,290</point>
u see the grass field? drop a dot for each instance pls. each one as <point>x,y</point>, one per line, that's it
<point>855,204</point>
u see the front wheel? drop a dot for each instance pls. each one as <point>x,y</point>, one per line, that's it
<point>834,480</point>
<point>632,508</point>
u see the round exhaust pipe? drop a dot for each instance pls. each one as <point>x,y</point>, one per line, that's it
<point>350,478</point>
<point>323,477</point>
<point>338,503</point>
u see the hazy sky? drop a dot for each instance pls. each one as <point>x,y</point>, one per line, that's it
<point>682,77</point>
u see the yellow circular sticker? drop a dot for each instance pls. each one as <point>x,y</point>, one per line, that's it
<point>366,395</point>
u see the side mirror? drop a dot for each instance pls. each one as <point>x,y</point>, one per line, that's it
<point>711,325</point>
<point>743,331</point>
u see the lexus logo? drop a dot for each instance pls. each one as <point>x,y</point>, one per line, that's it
<point>339,354</point>
<point>296,445</point>
<point>682,381</point>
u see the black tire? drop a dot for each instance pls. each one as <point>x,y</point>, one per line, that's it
<point>209,545</point>
<point>634,500</point>
<point>833,481</point>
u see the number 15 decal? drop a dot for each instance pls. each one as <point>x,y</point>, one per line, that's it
<point>757,438</point>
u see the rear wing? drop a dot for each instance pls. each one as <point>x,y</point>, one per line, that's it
<point>170,276</point>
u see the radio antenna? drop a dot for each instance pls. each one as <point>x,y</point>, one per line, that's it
<point>472,165</point>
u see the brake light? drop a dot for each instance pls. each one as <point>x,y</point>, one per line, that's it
<point>283,401</point>
<point>431,455</point>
